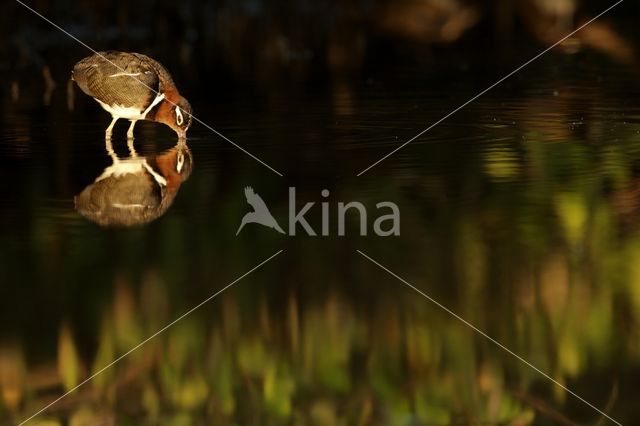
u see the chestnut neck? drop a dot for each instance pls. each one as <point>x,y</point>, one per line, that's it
<point>163,113</point>
<point>166,163</point>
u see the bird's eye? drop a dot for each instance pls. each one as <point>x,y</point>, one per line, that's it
<point>180,162</point>
<point>179,117</point>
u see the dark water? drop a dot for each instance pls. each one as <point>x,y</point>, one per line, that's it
<point>519,214</point>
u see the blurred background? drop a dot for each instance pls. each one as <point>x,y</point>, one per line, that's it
<point>272,46</point>
<point>520,213</point>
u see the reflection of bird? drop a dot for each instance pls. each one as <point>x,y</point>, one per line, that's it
<point>135,87</point>
<point>135,190</point>
<point>260,213</point>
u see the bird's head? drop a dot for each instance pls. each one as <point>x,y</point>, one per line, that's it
<point>175,164</point>
<point>184,162</point>
<point>182,116</point>
<point>176,115</point>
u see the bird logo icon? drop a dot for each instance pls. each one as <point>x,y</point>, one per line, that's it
<point>260,213</point>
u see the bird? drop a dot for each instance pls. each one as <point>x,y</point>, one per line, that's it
<point>135,87</point>
<point>135,190</point>
<point>260,213</point>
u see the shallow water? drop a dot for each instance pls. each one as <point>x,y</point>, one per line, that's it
<point>519,214</point>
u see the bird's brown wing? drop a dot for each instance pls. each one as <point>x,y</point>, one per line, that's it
<point>126,200</point>
<point>164,77</point>
<point>117,78</point>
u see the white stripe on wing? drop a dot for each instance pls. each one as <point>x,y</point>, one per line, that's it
<point>120,74</point>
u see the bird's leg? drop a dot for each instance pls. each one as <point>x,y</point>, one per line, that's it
<point>109,147</point>
<point>107,133</point>
<point>130,131</point>
<point>132,148</point>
